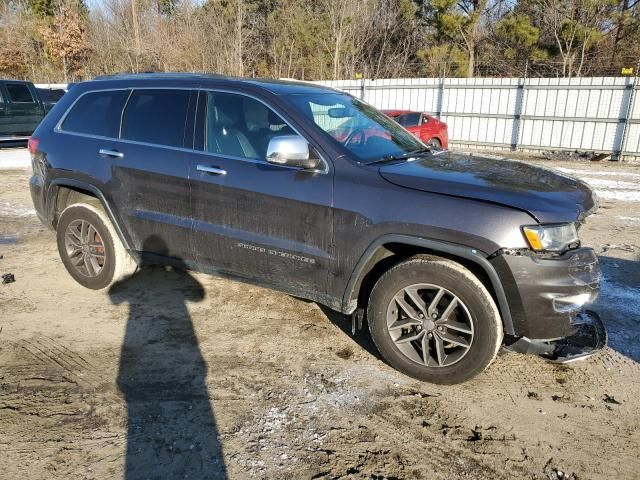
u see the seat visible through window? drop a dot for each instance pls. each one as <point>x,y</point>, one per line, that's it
<point>240,126</point>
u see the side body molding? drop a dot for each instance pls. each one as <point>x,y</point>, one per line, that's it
<point>437,246</point>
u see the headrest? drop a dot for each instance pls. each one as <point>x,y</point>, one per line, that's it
<point>219,118</point>
<point>221,112</point>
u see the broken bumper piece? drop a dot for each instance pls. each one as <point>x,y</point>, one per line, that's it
<point>589,337</point>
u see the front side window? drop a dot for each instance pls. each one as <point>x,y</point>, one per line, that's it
<point>239,126</point>
<point>96,113</point>
<point>156,116</point>
<point>19,93</point>
<point>366,132</point>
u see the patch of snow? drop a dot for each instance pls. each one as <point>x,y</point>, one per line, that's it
<point>624,196</point>
<point>8,210</point>
<point>623,319</point>
<point>14,158</point>
<point>612,184</point>
<point>598,173</point>
<point>274,420</point>
<point>609,189</point>
<point>626,298</point>
<point>629,219</point>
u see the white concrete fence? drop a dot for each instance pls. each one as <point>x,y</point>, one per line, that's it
<point>597,114</point>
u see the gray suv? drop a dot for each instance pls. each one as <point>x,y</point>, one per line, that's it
<point>312,192</point>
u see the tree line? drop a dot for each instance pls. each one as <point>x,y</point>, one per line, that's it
<point>70,40</point>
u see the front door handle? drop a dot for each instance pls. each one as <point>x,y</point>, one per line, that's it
<point>110,153</point>
<point>211,170</point>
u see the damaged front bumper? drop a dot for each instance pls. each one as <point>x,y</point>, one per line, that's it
<point>547,296</point>
<point>589,337</point>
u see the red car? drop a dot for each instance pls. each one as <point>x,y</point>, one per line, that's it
<point>429,129</point>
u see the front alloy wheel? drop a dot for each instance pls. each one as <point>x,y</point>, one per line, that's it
<point>430,325</point>
<point>434,320</point>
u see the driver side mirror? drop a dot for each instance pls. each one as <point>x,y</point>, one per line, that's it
<point>292,151</point>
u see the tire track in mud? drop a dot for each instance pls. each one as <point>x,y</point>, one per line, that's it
<point>53,360</point>
<point>44,378</point>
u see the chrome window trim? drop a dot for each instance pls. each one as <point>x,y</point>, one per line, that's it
<point>58,126</point>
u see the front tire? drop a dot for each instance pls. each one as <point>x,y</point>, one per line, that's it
<point>432,319</point>
<point>434,143</point>
<point>90,249</point>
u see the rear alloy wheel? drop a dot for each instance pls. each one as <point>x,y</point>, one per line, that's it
<point>84,248</point>
<point>433,320</point>
<point>90,249</point>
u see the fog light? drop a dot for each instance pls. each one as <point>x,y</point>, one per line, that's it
<point>570,303</point>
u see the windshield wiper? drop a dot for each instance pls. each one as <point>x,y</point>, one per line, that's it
<point>387,159</point>
<point>404,156</point>
<point>420,151</point>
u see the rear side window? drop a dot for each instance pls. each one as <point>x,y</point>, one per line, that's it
<point>156,116</point>
<point>19,93</point>
<point>409,119</point>
<point>50,95</point>
<point>97,113</point>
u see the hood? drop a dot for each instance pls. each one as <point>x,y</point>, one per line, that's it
<point>549,196</point>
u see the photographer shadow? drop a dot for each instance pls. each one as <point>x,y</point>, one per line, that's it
<point>171,428</point>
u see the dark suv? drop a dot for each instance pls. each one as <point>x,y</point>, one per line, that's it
<point>310,191</point>
<point>21,109</point>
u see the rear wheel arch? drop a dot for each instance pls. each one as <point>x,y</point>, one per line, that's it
<point>65,192</point>
<point>391,250</point>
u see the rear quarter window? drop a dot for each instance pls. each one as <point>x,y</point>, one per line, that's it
<point>156,116</point>
<point>19,93</point>
<point>96,113</point>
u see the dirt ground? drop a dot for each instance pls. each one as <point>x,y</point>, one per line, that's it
<point>182,375</point>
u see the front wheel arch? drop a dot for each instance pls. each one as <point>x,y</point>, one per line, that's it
<point>389,250</point>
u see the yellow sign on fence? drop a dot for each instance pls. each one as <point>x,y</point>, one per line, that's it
<point>627,71</point>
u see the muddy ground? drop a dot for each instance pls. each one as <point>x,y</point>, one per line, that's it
<point>182,375</point>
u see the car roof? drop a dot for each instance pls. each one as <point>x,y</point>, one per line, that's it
<point>393,113</point>
<point>278,87</point>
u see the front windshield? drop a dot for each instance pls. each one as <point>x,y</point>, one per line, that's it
<point>366,132</point>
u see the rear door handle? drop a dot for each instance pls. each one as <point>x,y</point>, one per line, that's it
<point>211,170</point>
<point>110,153</point>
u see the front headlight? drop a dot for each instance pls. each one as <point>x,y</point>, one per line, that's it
<point>551,238</point>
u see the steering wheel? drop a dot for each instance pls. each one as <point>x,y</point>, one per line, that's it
<point>353,135</point>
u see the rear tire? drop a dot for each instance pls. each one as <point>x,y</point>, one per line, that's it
<point>90,248</point>
<point>421,331</point>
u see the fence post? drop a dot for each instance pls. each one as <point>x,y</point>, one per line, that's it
<point>516,132</point>
<point>440,99</point>
<point>619,154</point>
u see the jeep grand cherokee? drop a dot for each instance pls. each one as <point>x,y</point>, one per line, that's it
<point>312,192</point>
